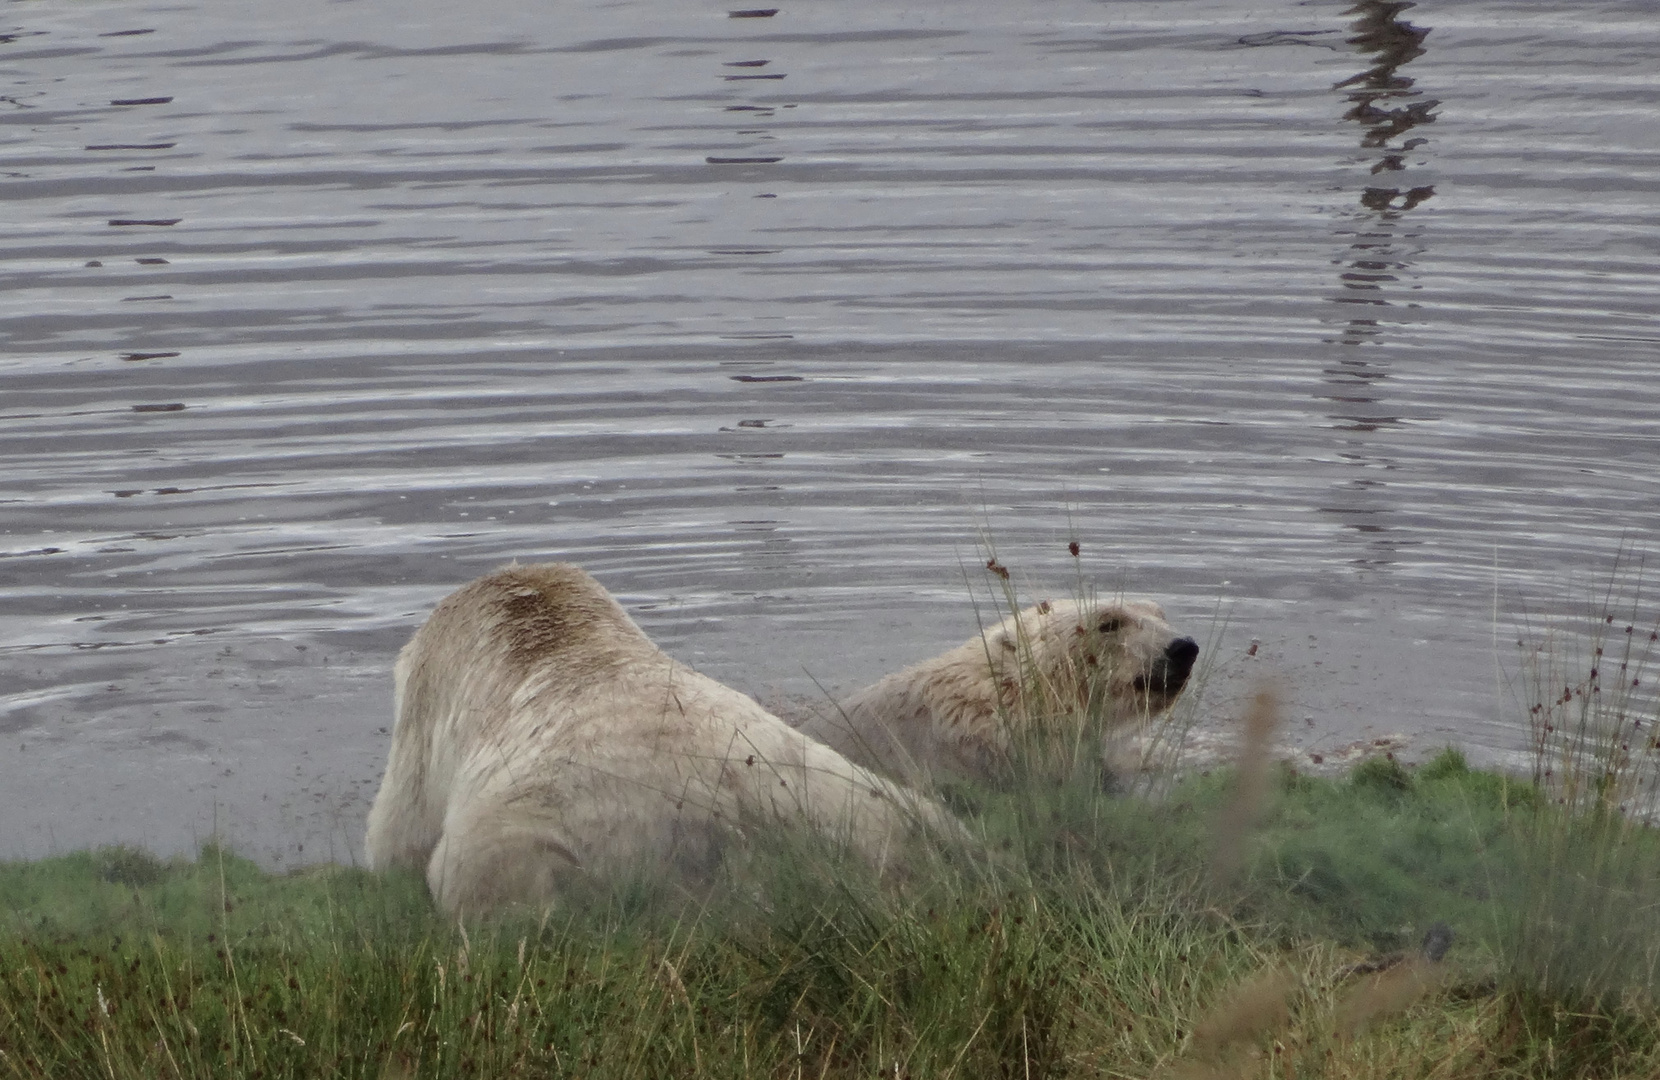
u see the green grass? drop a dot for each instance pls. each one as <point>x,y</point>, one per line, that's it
<point>1091,942</point>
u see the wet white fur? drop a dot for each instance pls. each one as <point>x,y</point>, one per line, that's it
<point>951,714</point>
<point>540,735</point>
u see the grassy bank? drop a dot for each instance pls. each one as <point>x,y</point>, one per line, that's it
<point>1098,940</point>
<point>1251,922</point>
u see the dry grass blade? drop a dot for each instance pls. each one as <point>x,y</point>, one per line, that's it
<point>1258,1006</point>
<point>1385,994</point>
<point>1250,789</point>
<point>1393,988</point>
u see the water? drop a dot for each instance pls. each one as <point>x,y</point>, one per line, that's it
<point>1332,329</point>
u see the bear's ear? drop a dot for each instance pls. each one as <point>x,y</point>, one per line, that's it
<point>1108,623</point>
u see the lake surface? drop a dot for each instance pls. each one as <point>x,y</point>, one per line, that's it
<point>1333,328</point>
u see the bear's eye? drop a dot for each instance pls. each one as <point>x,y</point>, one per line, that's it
<point>1110,626</point>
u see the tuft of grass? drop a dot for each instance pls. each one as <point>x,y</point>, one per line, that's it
<point>1594,740</point>
<point>1386,775</point>
<point>1578,928</point>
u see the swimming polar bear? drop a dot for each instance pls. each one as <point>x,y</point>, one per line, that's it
<point>541,736</point>
<point>966,711</point>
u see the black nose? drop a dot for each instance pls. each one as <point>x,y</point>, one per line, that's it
<point>1168,674</point>
<point>1181,653</point>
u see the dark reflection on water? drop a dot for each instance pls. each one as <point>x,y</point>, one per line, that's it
<point>1383,243</point>
<point>1389,108</point>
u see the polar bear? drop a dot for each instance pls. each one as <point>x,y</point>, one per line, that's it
<point>1052,671</point>
<point>540,736</point>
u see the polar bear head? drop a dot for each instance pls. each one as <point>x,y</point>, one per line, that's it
<point>1117,658</point>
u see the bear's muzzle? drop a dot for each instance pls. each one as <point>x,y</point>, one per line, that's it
<point>1168,674</point>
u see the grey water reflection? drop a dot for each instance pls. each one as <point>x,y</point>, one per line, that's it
<point>1388,107</point>
<point>1382,244</point>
